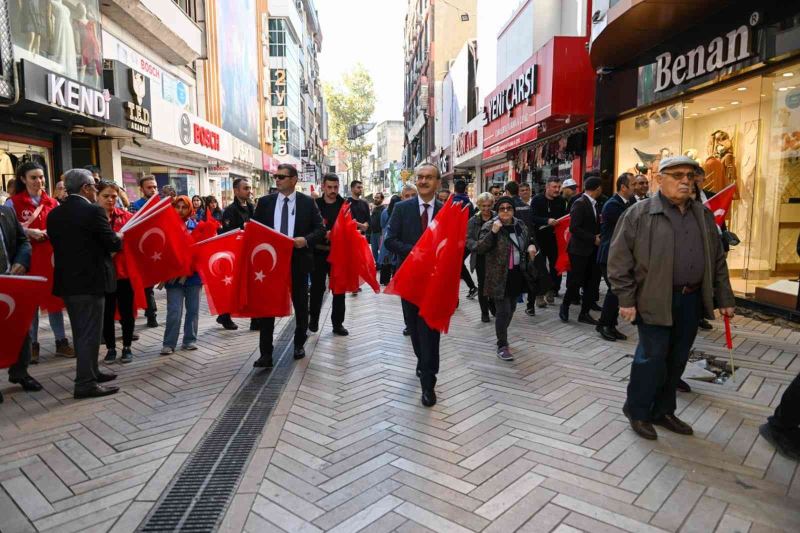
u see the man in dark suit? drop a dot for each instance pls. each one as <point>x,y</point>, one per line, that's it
<point>295,215</point>
<point>83,242</point>
<point>409,221</point>
<point>584,228</point>
<point>233,218</point>
<point>612,211</point>
<point>15,259</point>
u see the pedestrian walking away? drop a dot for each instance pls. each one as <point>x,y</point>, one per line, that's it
<point>667,268</point>
<point>295,215</point>
<point>83,242</point>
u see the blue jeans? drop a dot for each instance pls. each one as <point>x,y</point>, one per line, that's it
<point>661,358</point>
<point>176,297</point>
<point>56,324</point>
<point>375,243</point>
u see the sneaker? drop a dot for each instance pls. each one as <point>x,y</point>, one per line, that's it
<point>472,293</point>
<point>111,355</point>
<point>505,354</point>
<point>127,356</point>
<point>550,298</point>
<point>64,349</point>
<point>35,353</point>
<point>166,350</point>
<point>189,347</point>
<point>540,302</point>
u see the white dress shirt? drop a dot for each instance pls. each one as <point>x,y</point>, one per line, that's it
<point>594,204</point>
<point>431,204</point>
<point>279,212</point>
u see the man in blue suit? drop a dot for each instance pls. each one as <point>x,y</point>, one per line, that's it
<point>612,211</point>
<point>409,221</point>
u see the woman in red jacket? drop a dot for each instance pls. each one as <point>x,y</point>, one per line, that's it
<point>122,298</point>
<point>32,205</point>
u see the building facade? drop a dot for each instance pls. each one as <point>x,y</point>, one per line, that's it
<point>386,160</point>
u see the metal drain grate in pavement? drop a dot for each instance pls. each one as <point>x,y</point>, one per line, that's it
<point>201,492</point>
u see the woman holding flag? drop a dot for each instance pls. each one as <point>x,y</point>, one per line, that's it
<point>32,205</point>
<point>121,300</point>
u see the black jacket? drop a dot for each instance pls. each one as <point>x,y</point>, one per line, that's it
<point>308,224</point>
<point>543,210</point>
<point>583,227</point>
<point>83,242</point>
<point>405,227</point>
<point>234,216</point>
<point>17,245</point>
<point>359,210</point>
<point>375,220</point>
<point>523,212</point>
<point>329,213</point>
<point>612,211</point>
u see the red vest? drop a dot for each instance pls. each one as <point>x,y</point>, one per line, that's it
<point>24,206</point>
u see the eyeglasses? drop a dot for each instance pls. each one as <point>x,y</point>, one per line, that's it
<point>505,208</point>
<point>680,176</point>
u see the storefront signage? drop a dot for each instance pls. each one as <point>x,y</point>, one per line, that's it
<point>245,155</point>
<point>717,54</point>
<point>137,116</point>
<point>518,91</point>
<point>78,98</point>
<point>466,141</point>
<point>173,126</point>
<point>280,124</point>
<point>199,134</point>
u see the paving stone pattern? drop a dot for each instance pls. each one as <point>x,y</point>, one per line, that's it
<point>539,444</point>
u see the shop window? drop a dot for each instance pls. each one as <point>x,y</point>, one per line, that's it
<point>60,35</point>
<point>13,154</point>
<point>185,181</point>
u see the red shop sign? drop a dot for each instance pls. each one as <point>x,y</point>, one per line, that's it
<point>466,141</point>
<point>205,137</point>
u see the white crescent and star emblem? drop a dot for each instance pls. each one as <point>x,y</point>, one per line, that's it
<point>212,265</point>
<point>153,231</point>
<point>441,246</point>
<point>9,301</point>
<point>269,249</point>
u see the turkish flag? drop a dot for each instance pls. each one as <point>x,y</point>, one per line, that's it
<point>430,275</point>
<point>217,262</point>
<point>42,265</point>
<point>205,229</point>
<point>20,298</point>
<point>352,263</point>
<point>265,287</point>
<point>157,248</point>
<point>154,203</point>
<point>562,240</point>
<point>720,203</point>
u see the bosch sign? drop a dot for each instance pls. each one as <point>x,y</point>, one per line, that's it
<point>197,134</point>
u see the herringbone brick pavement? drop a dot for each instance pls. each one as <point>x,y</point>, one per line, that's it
<point>539,444</point>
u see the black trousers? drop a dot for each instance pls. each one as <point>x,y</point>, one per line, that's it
<point>86,317</point>
<point>151,310</point>
<point>550,250</point>
<point>20,369</point>
<point>480,270</point>
<point>610,313</point>
<point>300,304</point>
<point>787,414</point>
<point>583,273</point>
<point>122,298</point>
<point>319,276</point>
<point>465,275</point>
<point>426,345</point>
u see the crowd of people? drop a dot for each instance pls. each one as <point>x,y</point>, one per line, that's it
<point>660,254</point>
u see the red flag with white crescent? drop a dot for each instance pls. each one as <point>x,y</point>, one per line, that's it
<point>217,260</point>
<point>720,203</point>
<point>562,240</point>
<point>265,288</point>
<point>351,260</point>
<point>20,297</point>
<point>42,263</point>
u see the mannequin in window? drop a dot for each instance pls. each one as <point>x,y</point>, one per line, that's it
<point>90,60</point>
<point>62,38</point>
<point>720,166</point>
<point>32,23</point>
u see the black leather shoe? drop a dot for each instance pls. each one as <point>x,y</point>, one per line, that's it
<point>706,325</point>
<point>27,383</point>
<point>265,361</point>
<point>683,386</point>
<point>406,333</point>
<point>472,293</point>
<point>595,307</point>
<point>563,313</point>
<point>530,311</point>
<point>111,355</point>
<point>94,391</point>
<point>619,336</point>
<point>228,324</point>
<point>299,352</point>
<point>428,398</point>
<point>641,427</point>
<point>605,332</point>
<point>674,424</point>
<point>586,318</point>
<point>340,331</point>
<point>105,378</point>
<point>151,323</point>
<point>313,325</point>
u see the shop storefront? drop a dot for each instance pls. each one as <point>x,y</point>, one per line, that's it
<point>535,120</point>
<point>729,97</point>
<point>467,148</point>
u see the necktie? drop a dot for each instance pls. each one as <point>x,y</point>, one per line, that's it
<point>4,260</point>
<point>424,217</point>
<point>285,217</point>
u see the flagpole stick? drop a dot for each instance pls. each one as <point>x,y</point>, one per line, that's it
<point>729,345</point>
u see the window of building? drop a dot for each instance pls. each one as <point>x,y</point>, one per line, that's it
<point>189,7</point>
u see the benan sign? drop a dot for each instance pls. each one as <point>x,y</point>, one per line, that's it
<point>719,53</point>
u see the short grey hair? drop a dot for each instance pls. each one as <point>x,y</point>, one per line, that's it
<point>76,178</point>
<point>434,167</point>
<point>409,187</point>
<point>485,196</point>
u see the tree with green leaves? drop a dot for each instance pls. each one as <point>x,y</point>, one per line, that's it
<point>349,103</point>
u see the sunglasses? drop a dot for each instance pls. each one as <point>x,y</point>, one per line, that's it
<point>281,176</point>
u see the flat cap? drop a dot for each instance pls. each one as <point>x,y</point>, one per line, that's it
<point>678,160</point>
<point>569,182</point>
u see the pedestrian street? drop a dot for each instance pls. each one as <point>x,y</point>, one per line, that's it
<point>538,444</point>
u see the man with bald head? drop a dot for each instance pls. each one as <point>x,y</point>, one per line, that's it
<point>409,221</point>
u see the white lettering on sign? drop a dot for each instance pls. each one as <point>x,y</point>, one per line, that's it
<point>519,91</point>
<point>719,53</point>
<point>78,98</point>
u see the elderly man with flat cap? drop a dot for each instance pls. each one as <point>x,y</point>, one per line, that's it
<point>668,269</point>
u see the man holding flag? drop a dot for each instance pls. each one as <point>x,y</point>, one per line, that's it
<point>667,268</point>
<point>408,223</point>
<point>329,205</point>
<point>295,215</point>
